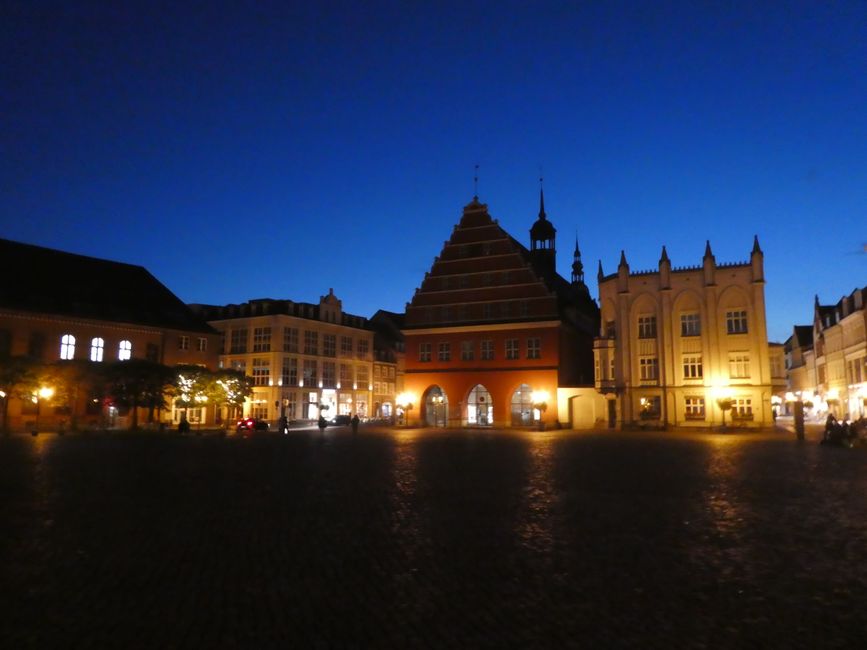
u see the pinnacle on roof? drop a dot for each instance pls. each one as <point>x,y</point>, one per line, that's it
<point>622,259</point>
<point>756,247</point>
<point>707,251</point>
<point>599,273</point>
<point>664,257</point>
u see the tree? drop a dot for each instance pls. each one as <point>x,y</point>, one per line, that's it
<point>230,388</point>
<point>137,383</point>
<point>71,379</point>
<point>190,386</point>
<point>19,378</point>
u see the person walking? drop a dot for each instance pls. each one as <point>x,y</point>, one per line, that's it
<point>322,424</point>
<point>354,422</point>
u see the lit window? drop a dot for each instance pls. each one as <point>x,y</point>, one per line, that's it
<point>692,367</point>
<point>467,352</point>
<point>487,350</point>
<point>424,352</point>
<point>690,325</point>
<point>183,343</point>
<point>694,408</point>
<point>742,409</point>
<point>67,346</point>
<point>445,352</point>
<point>309,370</point>
<point>647,327</point>
<point>739,366</point>
<point>202,344</point>
<point>97,349</point>
<point>124,350</point>
<point>534,348</point>
<point>512,349</point>
<point>736,322</point>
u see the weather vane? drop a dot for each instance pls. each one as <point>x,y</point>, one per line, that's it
<point>476,183</point>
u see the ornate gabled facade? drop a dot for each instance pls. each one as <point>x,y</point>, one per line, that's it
<point>677,345</point>
<point>492,324</point>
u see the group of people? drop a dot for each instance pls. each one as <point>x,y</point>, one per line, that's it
<point>844,433</point>
<point>353,423</point>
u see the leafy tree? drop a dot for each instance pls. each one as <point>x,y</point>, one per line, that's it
<point>137,383</point>
<point>19,378</point>
<point>230,388</point>
<point>71,379</point>
<point>191,383</point>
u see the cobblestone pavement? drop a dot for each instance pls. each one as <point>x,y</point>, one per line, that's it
<point>432,540</point>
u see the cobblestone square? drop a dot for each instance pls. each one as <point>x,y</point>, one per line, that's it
<point>432,539</point>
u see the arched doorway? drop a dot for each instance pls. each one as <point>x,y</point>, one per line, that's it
<point>522,406</point>
<point>480,408</point>
<point>436,407</point>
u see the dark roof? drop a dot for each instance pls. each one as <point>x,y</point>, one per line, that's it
<point>804,335</point>
<point>48,281</point>
<point>272,307</point>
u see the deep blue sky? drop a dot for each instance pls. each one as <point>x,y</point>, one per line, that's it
<point>247,150</point>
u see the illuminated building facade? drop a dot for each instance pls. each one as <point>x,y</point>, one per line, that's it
<point>685,346</point>
<point>389,364</point>
<point>304,359</point>
<point>828,360</point>
<point>61,306</point>
<point>493,329</point>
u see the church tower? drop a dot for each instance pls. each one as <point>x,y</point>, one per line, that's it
<point>542,237</point>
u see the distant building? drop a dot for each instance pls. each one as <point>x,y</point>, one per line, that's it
<point>676,344</point>
<point>493,323</point>
<point>389,364</point>
<point>56,305</point>
<point>304,359</point>
<point>833,375</point>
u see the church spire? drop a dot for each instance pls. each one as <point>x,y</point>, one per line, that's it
<point>542,214</point>
<point>577,265</point>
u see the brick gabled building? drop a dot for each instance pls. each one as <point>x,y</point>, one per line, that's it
<point>493,322</point>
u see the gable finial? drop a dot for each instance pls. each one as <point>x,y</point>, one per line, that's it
<point>542,197</point>
<point>476,183</point>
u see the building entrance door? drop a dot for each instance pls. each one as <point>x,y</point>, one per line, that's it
<point>480,410</point>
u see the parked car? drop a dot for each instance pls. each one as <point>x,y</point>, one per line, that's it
<point>341,420</point>
<point>252,424</point>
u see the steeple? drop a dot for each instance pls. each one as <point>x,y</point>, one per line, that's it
<point>709,265</point>
<point>577,265</point>
<point>623,274</point>
<point>756,248</point>
<point>664,270</point>
<point>757,261</point>
<point>599,274</point>
<point>542,237</point>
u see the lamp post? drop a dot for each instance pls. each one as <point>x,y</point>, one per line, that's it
<point>201,401</point>
<point>540,404</point>
<point>404,401</point>
<point>437,404</point>
<point>46,392</point>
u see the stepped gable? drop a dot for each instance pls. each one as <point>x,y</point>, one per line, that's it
<point>483,275</point>
<point>49,281</point>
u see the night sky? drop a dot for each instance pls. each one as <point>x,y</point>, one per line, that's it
<point>251,150</point>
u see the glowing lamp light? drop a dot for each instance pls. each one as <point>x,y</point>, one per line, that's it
<point>45,392</point>
<point>2,394</point>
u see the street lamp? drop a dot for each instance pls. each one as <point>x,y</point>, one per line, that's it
<point>540,405</point>
<point>404,401</point>
<point>724,401</point>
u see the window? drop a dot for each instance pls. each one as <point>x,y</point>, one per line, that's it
<point>124,350</point>
<point>736,322</point>
<point>467,350</point>
<point>742,408</point>
<point>329,345</point>
<point>694,408</point>
<point>35,346</point>
<point>152,352</point>
<point>309,377</point>
<point>97,349</point>
<point>692,368</point>
<point>345,374</point>
<point>201,344</point>
<point>328,374</point>
<point>648,368</point>
<point>377,372</point>
<point>311,342</point>
<point>363,375</point>
<point>650,407</point>
<point>487,350</point>
<point>647,327</point>
<point>690,325</point>
<point>261,372</point>
<point>445,352</point>
<point>290,339</point>
<point>610,329</point>
<point>534,347</point>
<point>739,366</point>
<point>424,352</point>
<point>261,339</point>
<point>345,346</point>
<point>290,372</point>
<point>67,346</point>
<point>512,349</point>
<point>362,348</point>
<point>238,364</point>
<point>183,343</point>
<point>238,343</point>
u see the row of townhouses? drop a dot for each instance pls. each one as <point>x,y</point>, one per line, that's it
<point>492,337</point>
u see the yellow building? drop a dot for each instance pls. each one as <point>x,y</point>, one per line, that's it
<point>304,359</point>
<point>685,347</point>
